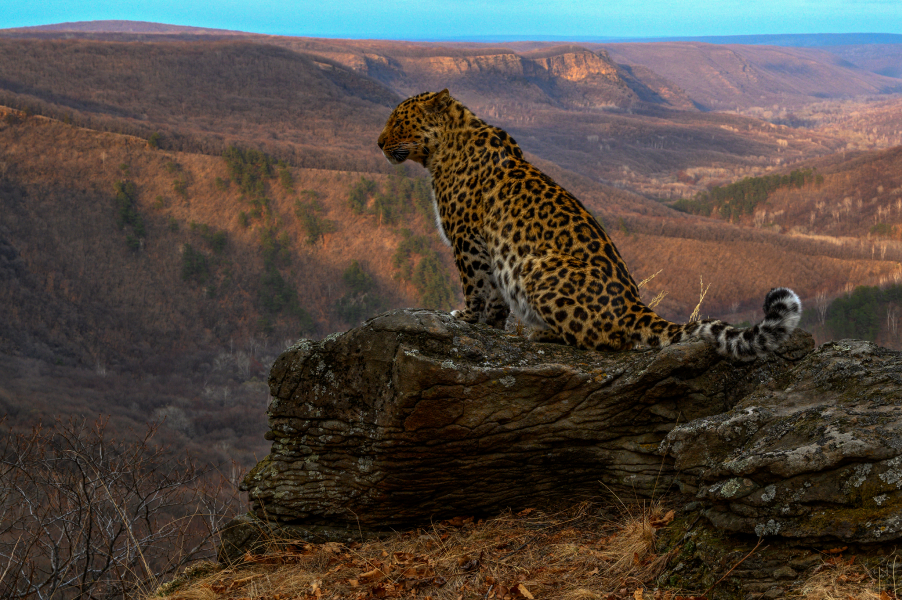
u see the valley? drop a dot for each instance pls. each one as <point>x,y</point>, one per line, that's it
<point>178,207</point>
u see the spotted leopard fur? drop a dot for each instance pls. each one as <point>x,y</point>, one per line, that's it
<point>522,243</point>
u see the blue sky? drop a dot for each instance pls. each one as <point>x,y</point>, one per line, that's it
<point>449,19</point>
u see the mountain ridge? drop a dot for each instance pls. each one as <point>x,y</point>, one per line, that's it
<point>806,40</point>
<point>121,26</point>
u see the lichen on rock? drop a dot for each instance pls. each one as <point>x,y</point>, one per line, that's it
<point>820,445</point>
<point>416,415</point>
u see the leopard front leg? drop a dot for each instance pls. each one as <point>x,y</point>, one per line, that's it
<point>484,303</point>
<point>496,310</point>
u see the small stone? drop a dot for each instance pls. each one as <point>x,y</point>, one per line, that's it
<point>785,573</point>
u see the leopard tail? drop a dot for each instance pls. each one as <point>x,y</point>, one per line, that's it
<point>782,312</point>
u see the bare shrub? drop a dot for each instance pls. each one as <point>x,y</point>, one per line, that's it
<point>822,304</point>
<point>86,516</point>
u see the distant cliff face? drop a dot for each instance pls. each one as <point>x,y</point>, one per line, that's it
<point>566,75</point>
<point>580,65</point>
<point>572,65</point>
<point>506,64</point>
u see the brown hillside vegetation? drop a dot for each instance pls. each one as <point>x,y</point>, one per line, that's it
<point>60,215</point>
<point>134,260</point>
<point>101,327</point>
<point>109,302</point>
<point>860,197</point>
<point>724,77</point>
<point>317,103</point>
<point>211,404</point>
<point>883,59</point>
<point>865,126</point>
<point>203,96</point>
<point>856,200</point>
<point>740,273</point>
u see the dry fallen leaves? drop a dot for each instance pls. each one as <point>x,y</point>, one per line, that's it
<point>369,576</point>
<point>468,564</point>
<point>520,556</point>
<point>663,521</point>
<point>457,522</point>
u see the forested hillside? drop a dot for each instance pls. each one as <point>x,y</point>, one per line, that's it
<point>178,207</point>
<point>176,212</point>
<point>194,249</point>
<point>152,284</point>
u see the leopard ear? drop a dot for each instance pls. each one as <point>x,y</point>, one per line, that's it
<point>440,102</point>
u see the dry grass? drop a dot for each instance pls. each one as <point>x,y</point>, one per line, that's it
<point>573,555</point>
<point>841,579</point>
<point>703,291</point>
<point>645,281</point>
<point>657,299</point>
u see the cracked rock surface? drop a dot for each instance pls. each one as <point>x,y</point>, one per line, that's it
<point>416,416</point>
<point>814,453</point>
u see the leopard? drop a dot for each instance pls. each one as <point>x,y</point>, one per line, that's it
<point>524,246</point>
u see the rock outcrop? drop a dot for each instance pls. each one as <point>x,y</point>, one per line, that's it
<point>416,417</point>
<point>813,453</point>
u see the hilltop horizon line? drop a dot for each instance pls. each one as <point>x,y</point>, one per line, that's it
<point>772,39</point>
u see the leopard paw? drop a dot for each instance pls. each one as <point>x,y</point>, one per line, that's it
<point>497,319</point>
<point>466,315</point>
<point>545,336</point>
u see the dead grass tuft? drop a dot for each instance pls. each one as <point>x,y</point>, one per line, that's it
<point>581,553</point>
<point>632,549</point>
<point>657,299</point>
<point>645,281</point>
<point>841,579</point>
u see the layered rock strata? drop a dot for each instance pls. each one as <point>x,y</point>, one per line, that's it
<point>417,416</point>
<point>815,452</point>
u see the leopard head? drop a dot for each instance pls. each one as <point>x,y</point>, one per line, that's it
<point>413,127</point>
